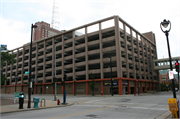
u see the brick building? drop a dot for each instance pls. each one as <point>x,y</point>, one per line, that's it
<point>44,30</point>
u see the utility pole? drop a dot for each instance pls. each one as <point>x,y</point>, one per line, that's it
<point>55,83</point>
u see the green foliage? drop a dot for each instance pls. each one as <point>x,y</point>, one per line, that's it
<point>92,84</point>
<point>6,57</point>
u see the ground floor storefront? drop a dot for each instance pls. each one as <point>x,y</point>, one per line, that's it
<point>121,86</point>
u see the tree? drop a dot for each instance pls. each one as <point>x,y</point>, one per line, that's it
<point>92,84</point>
<point>6,57</point>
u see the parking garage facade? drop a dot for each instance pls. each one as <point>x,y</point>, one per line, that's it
<point>80,53</point>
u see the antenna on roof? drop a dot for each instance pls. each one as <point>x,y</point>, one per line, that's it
<point>55,15</point>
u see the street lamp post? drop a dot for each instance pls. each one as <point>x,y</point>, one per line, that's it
<point>111,78</point>
<point>30,59</point>
<point>165,25</point>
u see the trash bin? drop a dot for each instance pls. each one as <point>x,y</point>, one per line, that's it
<point>21,100</point>
<point>35,100</point>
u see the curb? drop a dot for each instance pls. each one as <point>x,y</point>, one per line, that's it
<point>37,108</point>
<point>164,115</point>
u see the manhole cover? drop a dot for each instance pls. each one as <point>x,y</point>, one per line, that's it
<point>91,115</point>
<point>125,100</point>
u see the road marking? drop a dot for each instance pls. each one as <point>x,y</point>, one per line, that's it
<point>125,103</point>
<point>97,100</point>
<point>80,112</point>
<point>148,108</point>
<point>125,107</point>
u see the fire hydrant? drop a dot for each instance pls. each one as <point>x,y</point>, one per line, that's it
<point>58,101</point>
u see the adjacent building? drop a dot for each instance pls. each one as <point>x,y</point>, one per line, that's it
<point>79,53</point>
<point>44,30</point>
<point>164,77</point>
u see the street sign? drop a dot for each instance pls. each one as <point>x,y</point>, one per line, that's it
<point>27,72</point>
<point>3,47</point>
<point>109,83</point>
<point>171,75</point>
<point>167,85</point>
<point>32,79</point>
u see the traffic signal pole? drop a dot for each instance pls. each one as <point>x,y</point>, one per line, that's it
<point>64,95</point>
<point>173,84</point>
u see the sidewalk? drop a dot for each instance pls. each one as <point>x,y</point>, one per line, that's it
<point>8,105</point>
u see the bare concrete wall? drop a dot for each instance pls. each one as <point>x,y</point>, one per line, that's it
<point>97,89</point>
<point>80,88</point>
<point>131,83</point>
<point>25,89</point>
<point>12,89</point>
<point>59,89</point>
<point>69,88</point>
<point>38,89</point>
<point>47,89</point>
<point>18,88</point>
<point>107,89</point>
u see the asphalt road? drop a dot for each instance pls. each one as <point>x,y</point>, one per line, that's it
<point>101,107</point>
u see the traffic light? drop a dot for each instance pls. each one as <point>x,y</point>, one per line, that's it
<point>177,66</point>
<point>137,80</point>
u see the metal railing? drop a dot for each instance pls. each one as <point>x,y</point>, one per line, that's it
<point>44,102</point>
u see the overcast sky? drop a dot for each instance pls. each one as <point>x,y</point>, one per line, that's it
<point>146,15</point>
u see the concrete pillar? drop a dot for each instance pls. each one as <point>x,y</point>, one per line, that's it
<point>146,86</point>
<point>101,53</point>
<point>118,46</point>
<point>141,87</point>
<point>86,55</point>
<point>120,86</point>
<point>102,87</point>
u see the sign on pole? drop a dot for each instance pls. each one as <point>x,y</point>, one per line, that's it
<point>3,47</point>
<point>171,75</point>
<point>27,72</point>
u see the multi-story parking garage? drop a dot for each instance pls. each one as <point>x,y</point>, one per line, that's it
<point>80,52</point>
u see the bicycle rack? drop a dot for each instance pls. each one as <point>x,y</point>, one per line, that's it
<point>44,102</point>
